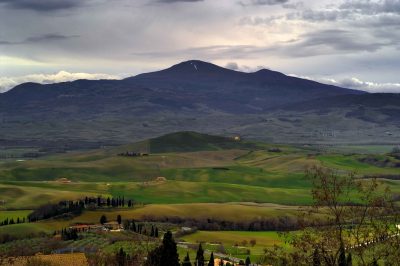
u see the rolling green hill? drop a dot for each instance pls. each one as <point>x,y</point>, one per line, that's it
<point>197,168</point>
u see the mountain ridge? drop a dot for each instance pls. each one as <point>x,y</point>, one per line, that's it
<point>195,96</point>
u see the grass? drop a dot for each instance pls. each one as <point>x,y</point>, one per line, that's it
<point>28,197</point>
<point>233,241</point>
<point>14,214</point>
<point>225,211</point>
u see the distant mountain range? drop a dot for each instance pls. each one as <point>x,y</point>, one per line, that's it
<point>196,95</point>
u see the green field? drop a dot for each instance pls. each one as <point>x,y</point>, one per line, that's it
<point>14,214</point>
<point>235,243</point>
<point>199,177</point>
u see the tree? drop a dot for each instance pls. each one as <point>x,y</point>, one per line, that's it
<point>221,262</point>
<point>342,256</point>
<point>166,254</point>
<point>108,202</point>
<point>121,257</point>
<point>103,219</point>
<point>346,211</point>
<point>200,256</point>
<point>186,260</point>
<point>248,262</point>
<point>316,258</point>
<point>119,219</point>
<point>211,261</point>
<point>349,260</point>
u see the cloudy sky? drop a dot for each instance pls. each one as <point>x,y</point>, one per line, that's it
<point>353,43</point>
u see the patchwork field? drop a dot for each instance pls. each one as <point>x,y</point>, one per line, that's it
<point>217,179</point>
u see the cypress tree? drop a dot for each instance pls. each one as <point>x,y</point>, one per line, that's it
<point>119,219</point>
<point>103,219</point>
<point>211,261</point>
<point>248,262</point>
<point>133,226</point>
<point>200,256</point>
<point>349,260</point>
<point>166,254</point>
<point>121,257</point>
<point>186,261</point>
<point>169,253</point>
<point>342,255</point>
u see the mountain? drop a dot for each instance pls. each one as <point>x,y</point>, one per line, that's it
<point>195,96</point>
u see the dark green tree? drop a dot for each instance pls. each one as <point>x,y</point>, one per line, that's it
<point>119,219</point>
<point>248,262</point>
<point>342,255</point>
<point>154,257</point>
<point>121,257</point>
<point>186,261</point>
<point>166,254</point>
<point>211,261</point>
<point>170,252</point>
<point>103,219</point>
<point>200,256</point>
<point>349,260</point>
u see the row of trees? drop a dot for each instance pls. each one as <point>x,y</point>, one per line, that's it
<point>8,221</point>
<point>75,208</point>
<point>52,210</point>
<point>109,202</point>
<point>141,228</point>
<point>69,234</point>
<point>284,223</point>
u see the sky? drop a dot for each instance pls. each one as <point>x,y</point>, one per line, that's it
<point>353,43</point>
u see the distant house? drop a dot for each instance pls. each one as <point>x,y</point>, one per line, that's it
<point>63,180</point>
<point>132,154</point>
<point>113,226</point>
<point>87,227</point>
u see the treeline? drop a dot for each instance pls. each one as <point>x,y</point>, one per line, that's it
<point>141,228</point>
<point>284,223</point>
<point>69,234</point>
<point>16,156</point>
<point>53,210</point>
<point>75,208</point>
<point>8,221</point>
<point>132,154</point>
<point>109,202</point>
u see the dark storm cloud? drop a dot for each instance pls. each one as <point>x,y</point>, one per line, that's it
<point>322,42</point>
<point>331,41</point>
<point>50,37</point>
<point>372,7</point>
<point>174,1</point>
<point>263,2</point>
<point>41,5</point>
<point>39,39</point>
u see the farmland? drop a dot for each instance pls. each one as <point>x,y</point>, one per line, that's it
<point>208,179</point>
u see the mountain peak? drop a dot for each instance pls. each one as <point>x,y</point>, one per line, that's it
<point>195,66</point>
